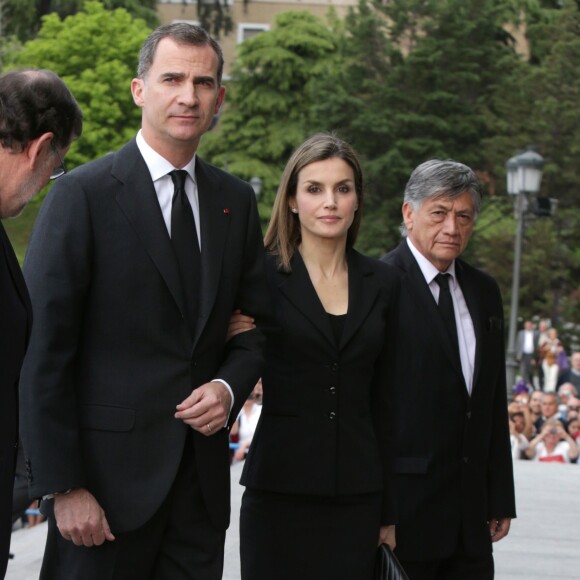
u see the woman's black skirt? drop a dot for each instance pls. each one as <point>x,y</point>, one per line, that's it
<point>294,537</point>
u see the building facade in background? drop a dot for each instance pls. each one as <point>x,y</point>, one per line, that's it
<point>250,18</point>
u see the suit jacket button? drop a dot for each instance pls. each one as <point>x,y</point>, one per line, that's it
<point>466,460</point>
<point>332,390</point>
<point>331,415</point>
<point>334,367</point>
<point>468,414</point>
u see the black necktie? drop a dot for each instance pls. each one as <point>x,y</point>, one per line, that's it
<point>446,308</point>
<point>185,244</point>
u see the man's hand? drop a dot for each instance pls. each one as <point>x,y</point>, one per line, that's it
<point>80,519</point>
<point>387,536</point>
<point>207,408</point>
<point>239,323</point>
<point>499,528</point>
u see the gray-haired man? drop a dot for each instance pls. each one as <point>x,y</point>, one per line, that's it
<point>452,460</point>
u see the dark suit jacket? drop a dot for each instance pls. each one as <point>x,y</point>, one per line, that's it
<point>567,376</point>
<point>15,320</point>
<point>315,435</point>
<point>520,339</point>
<point>452,459</point>
<point>112,355</point>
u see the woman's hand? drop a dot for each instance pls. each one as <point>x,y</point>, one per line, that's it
<point>239,323</point>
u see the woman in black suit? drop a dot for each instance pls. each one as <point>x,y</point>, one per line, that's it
<point>313,505</point>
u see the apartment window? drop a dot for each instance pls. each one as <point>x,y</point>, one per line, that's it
<point>247,30</point>
<point>192,22</point>
<point>226,2</point>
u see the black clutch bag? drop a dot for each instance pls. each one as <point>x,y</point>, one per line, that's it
<point>387,567</point>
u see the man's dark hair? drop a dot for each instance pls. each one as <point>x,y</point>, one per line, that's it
<point>181,33</point>
<point>34,102</point>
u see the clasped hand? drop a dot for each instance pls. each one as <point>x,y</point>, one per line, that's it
<point>207,408</point>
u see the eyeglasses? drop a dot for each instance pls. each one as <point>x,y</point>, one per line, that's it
<point>60,169</point>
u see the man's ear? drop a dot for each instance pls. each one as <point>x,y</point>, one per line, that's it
<point>220,99</point>
<point>37,150</point>
<point>137,91</point>
<point>407,211</point>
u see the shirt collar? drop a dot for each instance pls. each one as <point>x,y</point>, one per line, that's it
<point>159,166</point>
<point>428,270</point>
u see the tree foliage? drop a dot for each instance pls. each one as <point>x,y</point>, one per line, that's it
<point>408,80</point>
<point>539,105</point>
<point>417,81</point>
<point>95,52</point>
<point>269,100</point>
<point>23,18</point>
<point>402,81</point>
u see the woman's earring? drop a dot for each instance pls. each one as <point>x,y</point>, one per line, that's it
<point>293,210</point>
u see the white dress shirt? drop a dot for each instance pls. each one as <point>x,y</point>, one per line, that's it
<point>528,342</point>
<point>465,330</point>
<point>159,169</point>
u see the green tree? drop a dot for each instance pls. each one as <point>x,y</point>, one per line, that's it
<point>269,100</point>
<point>352,102</point>
<point>215,16</point>
<point>23,18</point>
<point>95,52</point>
<point>416,80</point>
<point>539,104</point>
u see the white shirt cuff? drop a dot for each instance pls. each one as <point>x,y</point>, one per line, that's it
<point>231,395</point>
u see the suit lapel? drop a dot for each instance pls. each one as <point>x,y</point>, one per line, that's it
<point>17,277</point>
<point>299,290</point>
<point>214,225</point>
<point>423,298</point>
<point>138,201</point>
<point>362,295</point>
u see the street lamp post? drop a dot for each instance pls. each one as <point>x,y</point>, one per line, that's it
<point>256,184</point>
<point>524,175</point>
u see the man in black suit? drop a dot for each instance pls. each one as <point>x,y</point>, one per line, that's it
<point>452,461</point>
<point>527,350</point>
<point>39,119</point>
<point>136,262</point>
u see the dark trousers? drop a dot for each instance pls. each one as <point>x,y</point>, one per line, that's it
<point>527,368</point>
<point>7,465</point>
<point>178,543</point>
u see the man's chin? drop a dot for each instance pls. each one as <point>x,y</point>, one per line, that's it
<point>14,213</point>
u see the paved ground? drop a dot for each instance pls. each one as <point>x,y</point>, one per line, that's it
<point>544,542</point>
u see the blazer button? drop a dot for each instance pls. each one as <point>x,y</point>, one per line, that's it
<point>332,390</point>
<point>468,414</point>
<point>332,415</point>
<point>334,367</point>
<point>466,460</point>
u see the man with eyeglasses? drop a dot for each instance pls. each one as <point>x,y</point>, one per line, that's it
<point>39,118</point>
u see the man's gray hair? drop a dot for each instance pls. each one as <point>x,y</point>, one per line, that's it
<point>436,178</point>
